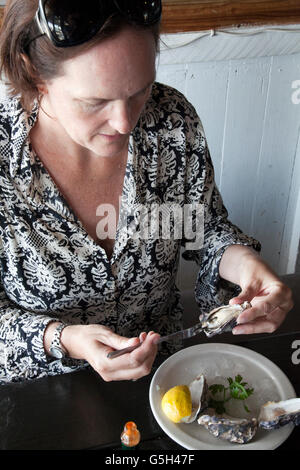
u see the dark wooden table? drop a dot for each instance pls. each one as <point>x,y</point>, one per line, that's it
<point>81,411</point>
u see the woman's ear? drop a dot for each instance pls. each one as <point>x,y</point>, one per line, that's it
<point>42,88</point>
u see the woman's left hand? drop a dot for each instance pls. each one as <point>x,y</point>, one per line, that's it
<point>270,298</point>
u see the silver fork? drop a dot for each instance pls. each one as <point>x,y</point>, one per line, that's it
<point>183,334</point>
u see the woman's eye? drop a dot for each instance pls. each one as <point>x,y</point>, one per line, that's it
<point>141,94</point>
<point>92,106</point>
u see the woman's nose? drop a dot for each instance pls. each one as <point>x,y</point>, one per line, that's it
<point>121,118</point>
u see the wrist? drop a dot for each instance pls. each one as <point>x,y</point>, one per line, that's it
<point>254,271</point>
<point>70,339</point>
<point>233,262</point>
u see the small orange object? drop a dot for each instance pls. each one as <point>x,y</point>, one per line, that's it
<point>130,436</point>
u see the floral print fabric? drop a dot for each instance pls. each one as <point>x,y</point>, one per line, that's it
<point>51,269</point>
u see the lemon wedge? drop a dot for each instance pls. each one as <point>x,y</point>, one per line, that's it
<point>177,403</point>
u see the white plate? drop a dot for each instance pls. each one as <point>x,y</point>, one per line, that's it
<point>215,361</point>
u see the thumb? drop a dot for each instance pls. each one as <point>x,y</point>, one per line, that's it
<point>246,294</point>
<point>116,341</point>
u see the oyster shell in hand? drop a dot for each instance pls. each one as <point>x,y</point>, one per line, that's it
<point>222,319</point>
<point>273,414</point>
<point>238,430</point>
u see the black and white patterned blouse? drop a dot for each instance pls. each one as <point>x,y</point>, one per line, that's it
<point>51,269</point>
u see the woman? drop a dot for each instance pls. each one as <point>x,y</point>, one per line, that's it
<point>86,132</point>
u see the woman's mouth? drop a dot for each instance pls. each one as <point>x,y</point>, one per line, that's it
<point>111,137</point>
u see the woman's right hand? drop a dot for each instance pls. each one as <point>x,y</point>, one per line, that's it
<point>93,342</point>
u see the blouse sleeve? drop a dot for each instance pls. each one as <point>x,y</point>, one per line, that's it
<point>214,230</point>
<point>22,354</point>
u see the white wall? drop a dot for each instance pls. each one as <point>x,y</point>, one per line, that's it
<point>242,89</point>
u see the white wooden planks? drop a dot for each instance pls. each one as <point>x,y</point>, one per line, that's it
<point>207,88</point>
<point>243,128</point>
<point>278,158</point>
<point>230,43</point>
<point>252,128</point>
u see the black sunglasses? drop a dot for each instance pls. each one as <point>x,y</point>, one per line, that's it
<point>73,22</point>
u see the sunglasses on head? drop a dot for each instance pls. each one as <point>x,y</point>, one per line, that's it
<point>73,22</point>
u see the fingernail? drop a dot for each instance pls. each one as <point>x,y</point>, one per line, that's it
<point>236,300</point>
<point>156,340</point>
<point>238,331</point>
<point>142,337</point>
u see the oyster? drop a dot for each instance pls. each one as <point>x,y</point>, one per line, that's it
<point>222,319</point>
<point>238,430</point>
<point>199,393</point>
<point>273,414</point>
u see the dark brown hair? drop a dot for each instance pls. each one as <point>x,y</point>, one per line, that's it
<point>24,68</point>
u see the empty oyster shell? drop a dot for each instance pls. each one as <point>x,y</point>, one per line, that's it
<point>199,394</point>
<point>273,414</point>
<point>223,318</point>
<point>238,430</point>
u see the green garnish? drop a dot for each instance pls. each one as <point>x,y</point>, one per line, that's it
<point>236,389</point>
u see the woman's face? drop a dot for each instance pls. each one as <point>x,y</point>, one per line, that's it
<point>98,100</point>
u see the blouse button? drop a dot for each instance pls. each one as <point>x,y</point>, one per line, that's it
<point>110,284</point>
